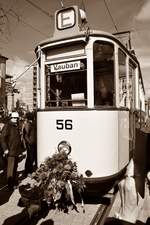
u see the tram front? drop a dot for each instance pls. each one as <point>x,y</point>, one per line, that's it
<point>77,99</point>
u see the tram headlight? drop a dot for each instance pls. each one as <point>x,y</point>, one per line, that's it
<point>88,173</point>
<point>64,146</point>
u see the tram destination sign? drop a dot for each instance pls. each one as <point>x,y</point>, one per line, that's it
<point>59,67</point>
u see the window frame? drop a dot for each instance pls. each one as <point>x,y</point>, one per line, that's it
<point>112,44</point>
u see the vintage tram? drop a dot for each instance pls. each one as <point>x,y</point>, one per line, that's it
<point>89,86</point>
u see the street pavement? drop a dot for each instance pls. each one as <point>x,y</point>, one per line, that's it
<point>9,198</point>
<point>9,207</point>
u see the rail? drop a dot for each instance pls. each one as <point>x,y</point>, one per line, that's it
<point>104,209</point>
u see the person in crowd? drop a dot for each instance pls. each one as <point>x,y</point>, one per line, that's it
<point>1,151</point>
<point>29,137</point>
<point>131,201</point>
<point>12,147</point>
<point>103,96</point>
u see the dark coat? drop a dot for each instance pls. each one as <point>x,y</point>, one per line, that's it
<point>29,133</point>
<point>10,139</point>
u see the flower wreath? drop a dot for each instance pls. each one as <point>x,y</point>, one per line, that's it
<point>55,182</point>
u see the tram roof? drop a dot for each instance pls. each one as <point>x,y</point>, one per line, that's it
<point>85,34</point>
<point>81,34</point>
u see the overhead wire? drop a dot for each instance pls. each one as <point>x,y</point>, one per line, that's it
<point>106,5</point>
<point>4,17</point>
<point>40,9</point>
<point>82,5</point>
<point>62,3</point>
<point>133,30</point>
<point>14,14</point>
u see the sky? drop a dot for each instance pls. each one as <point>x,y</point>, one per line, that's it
<point>25,23</point>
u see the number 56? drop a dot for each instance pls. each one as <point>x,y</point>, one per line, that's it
<point>64,124</point>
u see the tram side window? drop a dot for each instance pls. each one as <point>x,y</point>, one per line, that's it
<point>122,79</point>
<point>141,99</point>
<point>131,84</point>
<point>103,53</point>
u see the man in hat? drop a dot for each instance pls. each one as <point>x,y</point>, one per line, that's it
<point>11,145</point>
<point>29,137</point>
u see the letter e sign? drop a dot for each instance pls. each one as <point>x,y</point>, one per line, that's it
<point>66,18</point>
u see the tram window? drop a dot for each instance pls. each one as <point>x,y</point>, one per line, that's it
<point>66,88</point>
<point>122,79</point>
<point>103,54</point>
<point>141,96</point>
<point>132,68</point>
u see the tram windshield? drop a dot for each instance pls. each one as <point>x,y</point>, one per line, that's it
<point>103,53</point>
<point>66,84</point>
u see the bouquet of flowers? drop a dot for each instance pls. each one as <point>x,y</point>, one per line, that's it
<point>55,182</point>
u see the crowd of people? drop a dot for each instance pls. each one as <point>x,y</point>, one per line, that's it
<point>17,135</point>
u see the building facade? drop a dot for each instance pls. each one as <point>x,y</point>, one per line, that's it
<point>3,96</point>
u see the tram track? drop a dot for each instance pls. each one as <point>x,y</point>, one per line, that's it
<point>103,210</point>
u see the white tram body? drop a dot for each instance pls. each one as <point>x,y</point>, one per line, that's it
<point>99,139</point>
<point>74,66</point>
